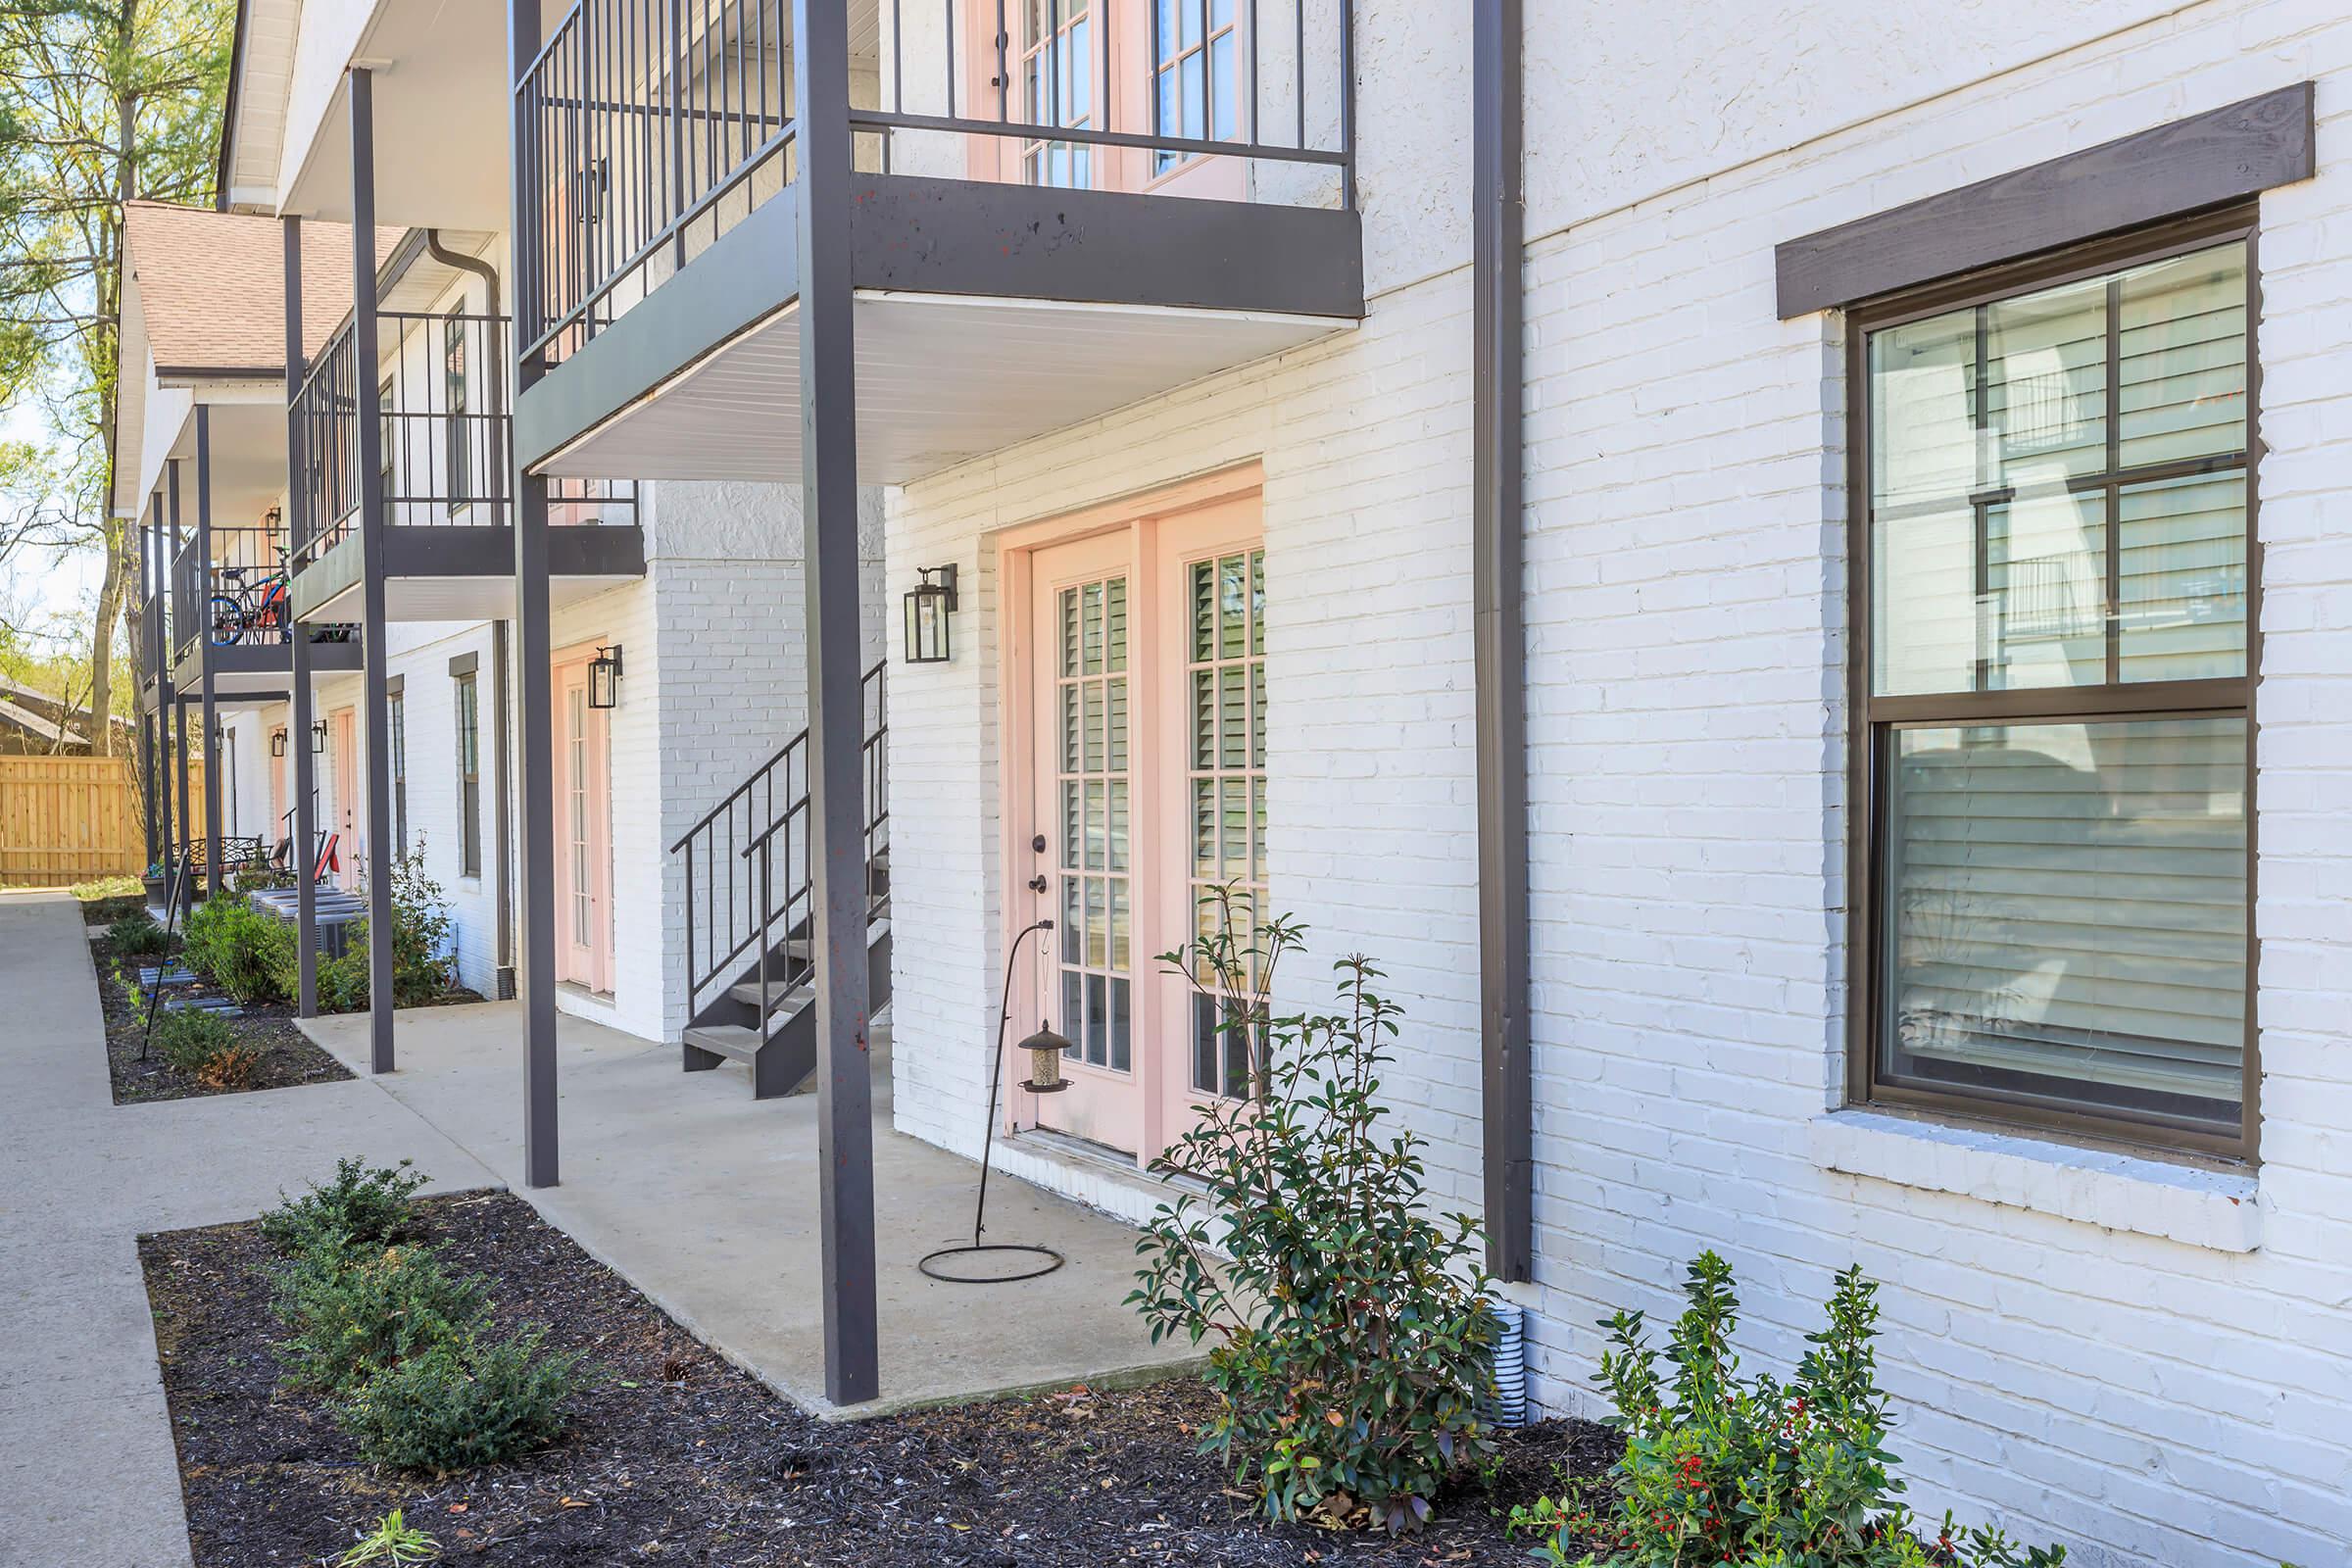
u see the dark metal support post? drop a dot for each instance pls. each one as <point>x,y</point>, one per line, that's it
<point>298,742</point>
<point>1499,634</point>
<point>159,793</point>
<point>204,649</point>
<point>376,680</point>
<point>820,58</point>
<point>534,717</point>
<point>180,711</point>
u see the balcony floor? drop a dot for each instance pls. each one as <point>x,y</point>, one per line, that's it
<point>941,380</point>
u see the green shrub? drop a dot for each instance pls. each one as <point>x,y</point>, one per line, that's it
<point>355,1210</point>
<point>420,927</point>
<point>138,935</point>
<point>238,947</point>
<point>350,1316</point>
<point>253,877</point>
<point>462,1403</point>
<point>1352,1325</point>
<point>1754,1471</point>
<point>190,1039</point>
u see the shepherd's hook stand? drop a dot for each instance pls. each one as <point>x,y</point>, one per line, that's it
<point>941,1265</point>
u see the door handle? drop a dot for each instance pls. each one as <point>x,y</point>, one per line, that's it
<point>1038,883</point>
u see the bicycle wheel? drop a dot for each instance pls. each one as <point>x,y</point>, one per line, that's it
<point>228,620</point>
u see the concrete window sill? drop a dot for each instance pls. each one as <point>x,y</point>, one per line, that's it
<point>2216,1209</point>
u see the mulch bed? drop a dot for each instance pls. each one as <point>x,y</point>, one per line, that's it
<point>287,1055</point>
<point>676,1457</point>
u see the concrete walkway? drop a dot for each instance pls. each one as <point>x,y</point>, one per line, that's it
<point>707,1200</point>
<point>87,1474</point>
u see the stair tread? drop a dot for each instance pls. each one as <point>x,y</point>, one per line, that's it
<point>726,1039</point>
<point>778,995</point>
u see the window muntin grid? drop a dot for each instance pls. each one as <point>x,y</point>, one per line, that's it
<point>1225,788</point>
<point>1092,781</point>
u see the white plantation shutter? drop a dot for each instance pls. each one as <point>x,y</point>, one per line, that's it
<point>2067,902</point>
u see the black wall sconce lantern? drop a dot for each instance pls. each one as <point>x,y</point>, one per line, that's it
<point>603,677</point>
<point>277,743</point>
<point>929,604</point>
<point>318,738</point>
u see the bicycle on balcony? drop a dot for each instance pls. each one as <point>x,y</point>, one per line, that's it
<point>252,613</point>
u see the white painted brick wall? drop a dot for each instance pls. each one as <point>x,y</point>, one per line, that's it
<point>2154,1369</point>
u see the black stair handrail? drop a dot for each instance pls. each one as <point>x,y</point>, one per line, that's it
<point>725,909</point>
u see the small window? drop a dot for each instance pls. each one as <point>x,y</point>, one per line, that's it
<point>470,779</point>
<point>388,466</point>
<point>399,771</point>
<point>1193,47</point>
<point>458,450</point>
<point>1058,53</point>
<point>2054,589</point>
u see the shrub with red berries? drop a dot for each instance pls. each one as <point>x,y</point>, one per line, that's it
<point>1725,1472</point>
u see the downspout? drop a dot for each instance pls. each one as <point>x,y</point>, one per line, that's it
<point>1499,205</point>
<point>502,827</point>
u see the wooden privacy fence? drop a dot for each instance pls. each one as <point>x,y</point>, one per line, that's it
<point>66,819</point>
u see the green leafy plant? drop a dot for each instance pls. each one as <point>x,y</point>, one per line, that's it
<point>420,931</point>
<point>351,1317</point>
<point>138,935</point>
<point>463,1402</point>
<point>356,1209</point>
<point>1351,1326</point>
<point>1724,1469</point>
<point>238,946</point>
<point>394,1543</point>
<point>200,1044</point>
<point>258,875</point>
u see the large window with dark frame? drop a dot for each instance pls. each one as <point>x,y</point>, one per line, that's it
<point>2056,474</point>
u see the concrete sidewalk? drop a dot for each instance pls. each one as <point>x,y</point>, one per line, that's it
<point>87,1473</point>
<point>707,1200</point>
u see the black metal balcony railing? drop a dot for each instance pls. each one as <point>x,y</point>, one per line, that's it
<point>652,126</point>
<point>746,861</point>
<point>239,596</point>
<point>443,435</point>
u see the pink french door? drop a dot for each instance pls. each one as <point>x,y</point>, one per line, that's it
<point>583,782</point>
<point>1169,68</point>
<point>347,798</point>
<point>1136,716</point>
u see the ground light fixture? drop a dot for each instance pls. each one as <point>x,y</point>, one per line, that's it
<point>930,605</point>
<point>968,1263</point>
<point>603,677</point>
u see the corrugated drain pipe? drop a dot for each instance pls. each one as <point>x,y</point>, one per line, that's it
<point>1499,240</point>
<point>502,828</point>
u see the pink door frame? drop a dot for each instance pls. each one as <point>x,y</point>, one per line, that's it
<point>588,838</point>
<point>1209,514</point>
<point>343,726</point>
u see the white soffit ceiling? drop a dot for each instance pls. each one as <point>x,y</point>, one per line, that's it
<point>941,379</point>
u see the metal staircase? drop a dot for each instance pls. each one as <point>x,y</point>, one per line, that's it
<point>747,887</point>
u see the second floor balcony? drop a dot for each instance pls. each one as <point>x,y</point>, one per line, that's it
<point>441,481</point>
<point>233,613</point>
<point>1060,207</point>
